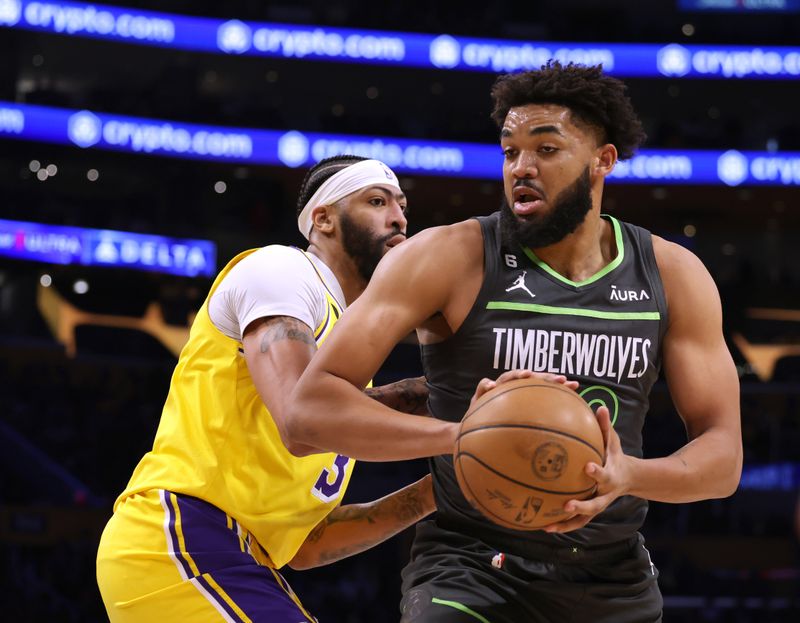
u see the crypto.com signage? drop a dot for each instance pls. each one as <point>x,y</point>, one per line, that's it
<point>432,51</point>
<point>293,148</point>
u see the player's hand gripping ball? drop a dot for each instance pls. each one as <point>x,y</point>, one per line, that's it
<point>521,452</point>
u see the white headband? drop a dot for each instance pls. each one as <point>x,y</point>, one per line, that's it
<point>344,182</point>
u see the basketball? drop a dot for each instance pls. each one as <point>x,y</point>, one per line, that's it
<point>521,452</point>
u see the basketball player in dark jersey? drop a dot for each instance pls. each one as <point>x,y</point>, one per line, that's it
<point>551,286</point>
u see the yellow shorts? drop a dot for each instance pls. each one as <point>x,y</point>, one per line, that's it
<point>169,557</point>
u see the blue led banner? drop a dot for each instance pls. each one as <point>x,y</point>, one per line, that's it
<point>102,247</point>
<point>741,6</point>
<point>771,477</point>
<point>443,52</point>
<point>292,148</point>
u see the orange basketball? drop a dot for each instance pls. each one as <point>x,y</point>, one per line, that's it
<point>521,452</point>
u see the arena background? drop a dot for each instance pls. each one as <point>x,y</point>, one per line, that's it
<point>116,127</point>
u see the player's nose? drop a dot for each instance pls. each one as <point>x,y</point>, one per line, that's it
<point>525,166</point>
<point>397,217</point>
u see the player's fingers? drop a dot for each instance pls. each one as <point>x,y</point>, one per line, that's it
<point>556,378</point>
<point>513,374</point>
<point>484,385</point>
<point>589,508</point>
<point>604,419</point>
<point>579,521</point>
<point>598,472</point>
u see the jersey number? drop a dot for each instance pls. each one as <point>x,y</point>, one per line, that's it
<point>326,490</point>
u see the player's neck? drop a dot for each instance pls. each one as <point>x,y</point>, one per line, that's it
<point>343,268</point>
<point>584,252</point>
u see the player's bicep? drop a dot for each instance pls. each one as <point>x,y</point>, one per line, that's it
<point>697,363</point>
<point>277,350</point>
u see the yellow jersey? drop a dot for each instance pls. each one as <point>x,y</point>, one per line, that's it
<point>218,442</point>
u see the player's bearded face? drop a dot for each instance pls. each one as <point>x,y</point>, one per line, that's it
<point>568,211</point>
<point>363,245</point>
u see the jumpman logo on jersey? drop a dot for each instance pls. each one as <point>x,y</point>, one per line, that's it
<point>519,284</point>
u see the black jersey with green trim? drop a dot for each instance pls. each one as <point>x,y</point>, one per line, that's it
<point>604,332</point>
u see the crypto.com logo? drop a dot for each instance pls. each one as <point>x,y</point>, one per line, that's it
<point>732,167</point>
<point>445,52</point>
<point>84,128</point>
<point>10,12</point>
<point>293,149</point>
<point>234,36</point>
<point>674,60</point>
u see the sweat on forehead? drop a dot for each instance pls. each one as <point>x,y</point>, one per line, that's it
<point>545,118</point>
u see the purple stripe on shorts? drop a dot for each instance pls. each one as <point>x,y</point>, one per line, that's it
<point>218,599</point>
<point>216,550</point>
<point>174,543</point>
<point>208,540</point>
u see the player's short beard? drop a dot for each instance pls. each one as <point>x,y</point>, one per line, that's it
<point>362,245</point>
<point>569,210</point>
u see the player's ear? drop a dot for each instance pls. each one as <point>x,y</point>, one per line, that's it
<point>322,218</point>
<point>604,160</point>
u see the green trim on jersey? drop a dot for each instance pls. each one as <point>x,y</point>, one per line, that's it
<point>601,273</point>
<point>462,607</point>
<point>572,311</point>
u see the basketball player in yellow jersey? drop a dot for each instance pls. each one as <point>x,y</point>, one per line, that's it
<point>221,502</point>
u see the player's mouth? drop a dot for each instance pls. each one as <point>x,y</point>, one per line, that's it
<point>527,200</point>
<point>395,240</point>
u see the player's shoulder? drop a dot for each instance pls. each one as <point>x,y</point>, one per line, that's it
<point>277,252</point>
<point>442,253</point>
<point>674,259</point>
<point>270,266</point>
<point>275,257</point>
<point>688,285</point>
<point>462,236</point>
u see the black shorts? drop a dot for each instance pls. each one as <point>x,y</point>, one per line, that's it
<point>454,578</point>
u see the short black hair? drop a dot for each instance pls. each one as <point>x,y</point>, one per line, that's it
<point>593,98</point>
<point>320,172</point>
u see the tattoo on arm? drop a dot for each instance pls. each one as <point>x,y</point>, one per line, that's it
<point>408,396</point>
<point>677,454</point>
<point>285,328</point>
<point>394,513</point>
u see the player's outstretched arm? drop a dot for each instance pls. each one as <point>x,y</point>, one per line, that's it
<point>354,528</point>
<point>705,390</point>
<point>412,283</point>
<point>704,387</point>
